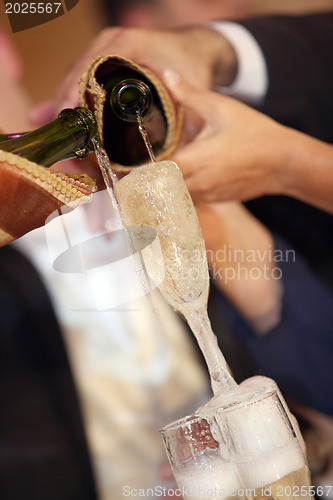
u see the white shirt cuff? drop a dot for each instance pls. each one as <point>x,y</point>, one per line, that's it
<point>251,82</point>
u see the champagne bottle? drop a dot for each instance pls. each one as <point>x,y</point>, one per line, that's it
<point>127,98</point>
<point>68,136</point>
<point>120,92</point>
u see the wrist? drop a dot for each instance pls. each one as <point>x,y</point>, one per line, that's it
<point>247,76</point>
<point>307,172</point>
<point>279,156</point>
<point>297,152</point>
<point>224,63</point>
<point>291,143</point>
<point>218,54</point>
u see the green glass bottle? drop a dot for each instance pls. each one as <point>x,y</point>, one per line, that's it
<point>129,99</point>
<point>68,136</point>
<point>119,92</point>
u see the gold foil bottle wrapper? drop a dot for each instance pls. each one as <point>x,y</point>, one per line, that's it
<point>93,96</point>
<point>30,193</point>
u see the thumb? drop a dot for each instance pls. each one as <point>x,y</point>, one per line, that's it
<point>203,102</point>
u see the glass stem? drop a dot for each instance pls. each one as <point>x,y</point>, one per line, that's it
<point>199,323</point>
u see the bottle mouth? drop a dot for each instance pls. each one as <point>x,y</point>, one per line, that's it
<point>130,99</point>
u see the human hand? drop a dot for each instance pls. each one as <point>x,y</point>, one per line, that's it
<point>201,55</point>
<point>236,155</point>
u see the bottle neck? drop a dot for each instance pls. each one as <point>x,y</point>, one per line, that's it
<point>67,136</point>
<point>131,98</point>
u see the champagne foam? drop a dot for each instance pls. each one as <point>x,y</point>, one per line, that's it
<point>258,473</point>
<point>260,437</point>
<point>216,475</point>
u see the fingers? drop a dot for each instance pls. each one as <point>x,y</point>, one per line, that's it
<point>190,161</point>
<point>203,102</point>
<point>192,157</point>
<point>184,159</point>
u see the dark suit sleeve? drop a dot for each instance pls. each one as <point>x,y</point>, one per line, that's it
<point>299,57</point>
<point>43,448</point>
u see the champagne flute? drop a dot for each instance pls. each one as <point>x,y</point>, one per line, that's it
<point>155,195</point>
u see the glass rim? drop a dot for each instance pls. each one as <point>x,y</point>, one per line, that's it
<point>258,396</point>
